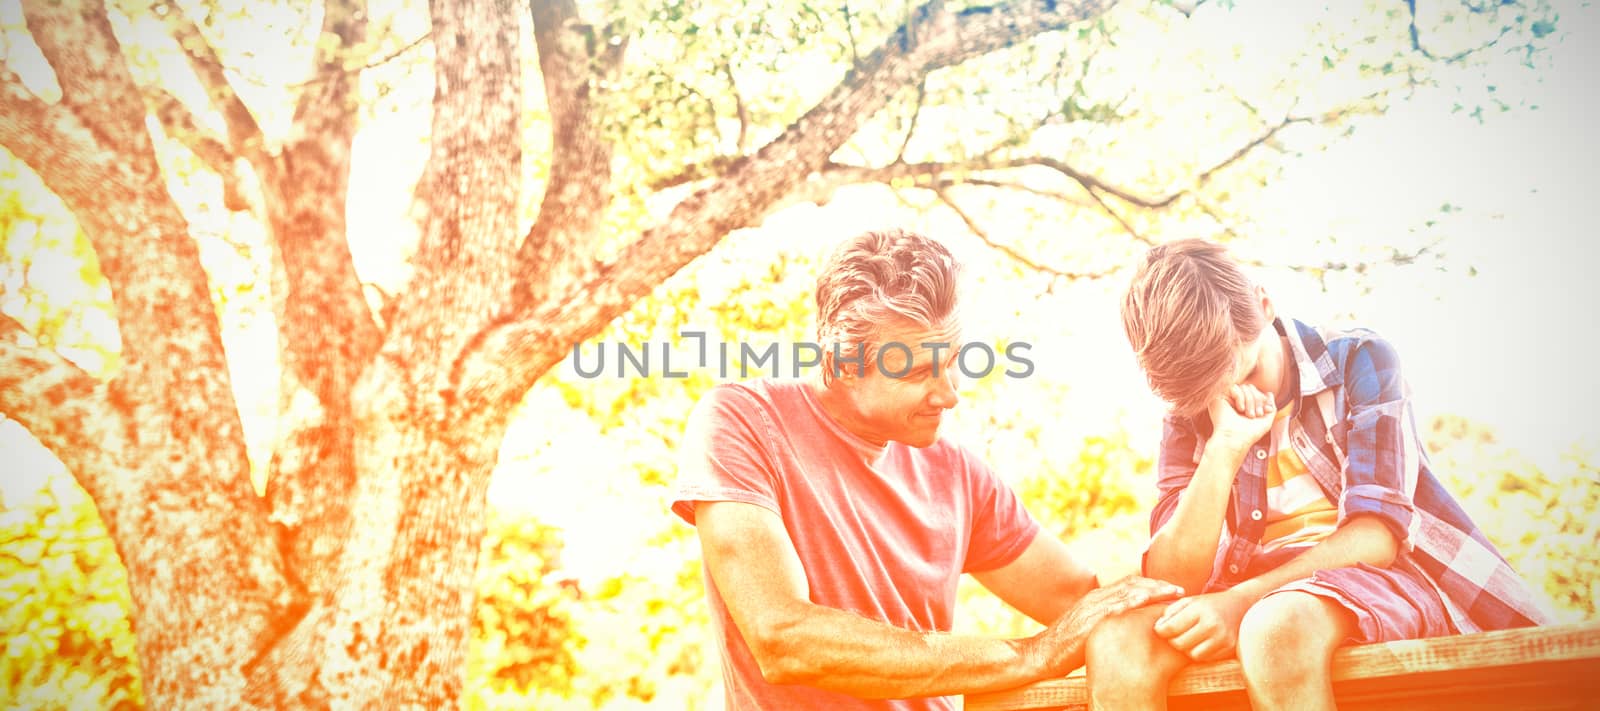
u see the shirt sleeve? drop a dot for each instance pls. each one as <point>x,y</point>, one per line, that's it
<point>1001,527</point>
<point>1383,452</point>
<point>1175,467</point>
<point>722,456</point>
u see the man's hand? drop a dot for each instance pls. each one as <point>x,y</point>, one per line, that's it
<point>1205,627</point>
<point>1060,646</point>
<point>1241,417</point>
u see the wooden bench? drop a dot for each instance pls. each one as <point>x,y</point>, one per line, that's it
<point>1536,668</point>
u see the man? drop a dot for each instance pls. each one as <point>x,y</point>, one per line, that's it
<point>835,522</point>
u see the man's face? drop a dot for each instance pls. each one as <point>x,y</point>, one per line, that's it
<point>908,408</point>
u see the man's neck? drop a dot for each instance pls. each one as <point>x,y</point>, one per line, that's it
<point>839,408</point>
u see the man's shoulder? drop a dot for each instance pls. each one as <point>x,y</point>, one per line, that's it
<point>750,392</point>
<point>750,398</point>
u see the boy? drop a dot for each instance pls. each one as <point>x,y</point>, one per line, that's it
<point>1296,502</point>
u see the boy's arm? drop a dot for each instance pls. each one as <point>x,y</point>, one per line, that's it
<point>794,641</point>
<point>1206,627</point>
<point>1383,449</point>
<point>1363,539</point>
<point>1184,549</point>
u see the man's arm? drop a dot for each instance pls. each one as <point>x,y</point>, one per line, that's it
<point>755,568</point>
<point>1042,583</point>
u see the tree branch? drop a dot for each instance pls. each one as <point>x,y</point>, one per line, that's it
<point>370,63</point>
<point>1416,39</point>
<point>694,173</point>
<point>1073,200</point>
<point>1245,149</point>
<point>1092,184</point>
<point>1095,185</point>
<point>820,186</point>
<point>32,129</point>
<point>80,148</point>
<point>244,134</point>
<point>326,332</point>
<point>178,123</point>
<point>515,351</point>
<point>1095,195</point>
<point>911,129</point>
<point>850,35</point>
<point>310,231</point>
<point>742,111</point>
<point>579,187</point>
<point>65,408</point>
<point>1009,251</point>
<point>470,266</point>
<point>1397,257</point>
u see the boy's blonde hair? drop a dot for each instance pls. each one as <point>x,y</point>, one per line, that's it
<point>1189,309</point>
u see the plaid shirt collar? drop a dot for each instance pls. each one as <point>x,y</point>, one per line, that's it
<point>1316,368</point>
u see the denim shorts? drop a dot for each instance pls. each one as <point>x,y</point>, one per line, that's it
<point>1389,604</point>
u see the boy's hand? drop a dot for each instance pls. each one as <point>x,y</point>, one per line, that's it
<point>1241,417</point>
<point>1205,627</point>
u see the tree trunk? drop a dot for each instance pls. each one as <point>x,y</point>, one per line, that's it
<point>171,480</point>
<point>403,603</point>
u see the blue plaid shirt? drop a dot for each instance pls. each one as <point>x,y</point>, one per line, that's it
<point>1354,428</point>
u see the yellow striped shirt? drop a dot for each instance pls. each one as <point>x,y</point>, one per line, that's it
<point>1298,513</point>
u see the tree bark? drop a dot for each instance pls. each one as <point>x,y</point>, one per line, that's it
<point>326,332</point>
<point>402,608</point>
<point>178,503</point>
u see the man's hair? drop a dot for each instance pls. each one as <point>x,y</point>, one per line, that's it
<point>877,277</point>
<point>1186,313</point>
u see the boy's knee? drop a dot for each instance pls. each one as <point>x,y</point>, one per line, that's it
<point>1124,650</point>
<point>1132,630</point>
<point>1287,636</point>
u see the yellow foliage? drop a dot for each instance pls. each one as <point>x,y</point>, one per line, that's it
<point>64,604</point>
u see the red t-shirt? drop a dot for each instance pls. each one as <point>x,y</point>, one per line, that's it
<point>885,532</point>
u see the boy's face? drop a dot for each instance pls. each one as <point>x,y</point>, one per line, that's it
<point>1261,362</point>
<point>1252,362</point>
<point>908,408</point>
